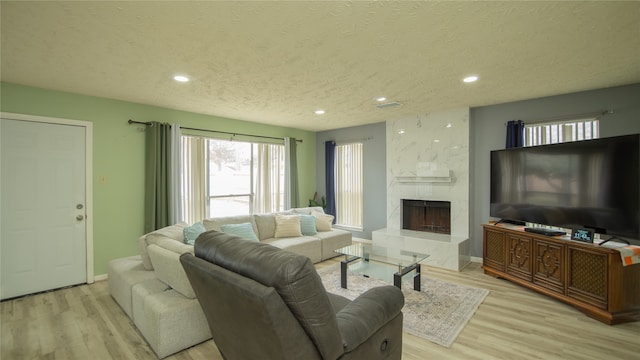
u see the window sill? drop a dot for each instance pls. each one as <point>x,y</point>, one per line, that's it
<point>348,227</point>
<point>424,179</point>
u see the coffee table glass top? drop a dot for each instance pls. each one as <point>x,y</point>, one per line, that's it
<point>382,254</point>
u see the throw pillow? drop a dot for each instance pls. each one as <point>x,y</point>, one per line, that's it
<point>192,232</point>
<point>243,230</point>
<point>323,221</point>
<point>308,225</point>
<point>287,226</point>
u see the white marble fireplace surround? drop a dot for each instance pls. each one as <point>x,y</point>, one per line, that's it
<point>428,159</point>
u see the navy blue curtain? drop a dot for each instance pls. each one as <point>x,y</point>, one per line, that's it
<point>330,177</point>
<point>515,134</point>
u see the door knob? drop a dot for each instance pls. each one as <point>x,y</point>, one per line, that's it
<point>79,217</point>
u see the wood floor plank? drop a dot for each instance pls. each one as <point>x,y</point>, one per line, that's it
<point>512,323</point>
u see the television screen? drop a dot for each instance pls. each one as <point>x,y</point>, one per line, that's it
<point>590,184</point>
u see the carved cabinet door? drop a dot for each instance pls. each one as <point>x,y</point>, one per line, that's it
<point>588,275</point>
<point>519,257</point>
<point>548,268</point>
<point>493,249</point>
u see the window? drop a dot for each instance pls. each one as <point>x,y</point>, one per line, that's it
<point>561,131</point>
<point>229,177</point>
<point>225,178</point>
<point>348,170</point>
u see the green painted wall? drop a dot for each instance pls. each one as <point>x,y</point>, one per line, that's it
<point>118,156</point>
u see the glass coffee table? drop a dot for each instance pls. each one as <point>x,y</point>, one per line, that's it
<point>380,262</point>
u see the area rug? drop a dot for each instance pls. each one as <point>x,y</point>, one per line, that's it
<point>438,313</point>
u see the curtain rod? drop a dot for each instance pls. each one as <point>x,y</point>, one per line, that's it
<point>215,131</point>
<point>568,117</point>
<point>349,141</point>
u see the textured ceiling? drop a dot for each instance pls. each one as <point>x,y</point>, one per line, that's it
<point>277,62</point>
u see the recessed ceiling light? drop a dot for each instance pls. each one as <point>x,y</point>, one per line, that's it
<point>449,125</point>
<point>436,141</point>
<point>381,99</point>
<point>180,78</point>
<point>470,79</point>
<point>384,105</point>
<point>401,131</point>
<point>319,112</point>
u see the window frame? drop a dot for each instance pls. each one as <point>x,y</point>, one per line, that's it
<point>207,184</point>
<point>553,132</point>
<point>339,169</point>
<point>208,175</point>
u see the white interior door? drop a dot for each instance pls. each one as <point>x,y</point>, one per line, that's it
<point>43,214</point>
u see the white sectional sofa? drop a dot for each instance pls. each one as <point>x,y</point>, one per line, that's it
<point>153,290</point>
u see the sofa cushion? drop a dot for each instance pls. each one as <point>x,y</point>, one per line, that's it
<point>323,221</point>
<point>244,230</point>
<point>169,321</point>
<point>173,231</point>
<point>192,232</point>
<point>308,225</point>
<point>165,256</point>
<point>308,246</point>
<point>144,254</point>
<point>266,225</point>
<point>138,293</point>
<point>308,210</point>
<point>287,226</point>
<point>123,274</point>
<point>216,223</point>
<point>332,240</point>
<point>173,245</point>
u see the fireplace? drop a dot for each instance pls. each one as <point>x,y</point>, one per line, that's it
<point>427,216</point>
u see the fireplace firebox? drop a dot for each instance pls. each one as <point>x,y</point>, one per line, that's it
<point>427,216</point>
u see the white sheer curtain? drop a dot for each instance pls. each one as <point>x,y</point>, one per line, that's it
<point>348,170</point>
<point>193,179</point>
<point>268,179</point>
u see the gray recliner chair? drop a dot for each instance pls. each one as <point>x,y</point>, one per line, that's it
<point>262,302</point>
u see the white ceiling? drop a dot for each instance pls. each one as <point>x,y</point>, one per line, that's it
<point>277,62</point>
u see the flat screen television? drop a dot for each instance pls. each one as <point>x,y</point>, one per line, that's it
<point>592,184</point>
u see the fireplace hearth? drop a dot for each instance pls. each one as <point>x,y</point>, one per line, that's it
<point>427,216</point>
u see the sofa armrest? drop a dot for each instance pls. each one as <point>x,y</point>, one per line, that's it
<point>368,313</point>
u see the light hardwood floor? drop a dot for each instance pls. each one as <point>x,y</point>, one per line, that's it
<point>84,322</point>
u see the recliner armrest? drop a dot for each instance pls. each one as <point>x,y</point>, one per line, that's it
<point>366,314</point>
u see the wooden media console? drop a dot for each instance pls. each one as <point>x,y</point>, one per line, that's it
<point>584,275</point>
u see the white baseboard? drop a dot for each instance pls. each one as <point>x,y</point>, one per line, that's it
<point>100,277</point>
